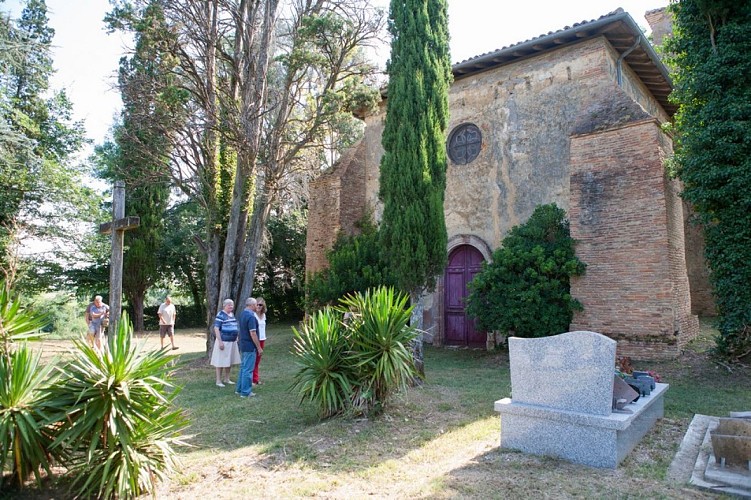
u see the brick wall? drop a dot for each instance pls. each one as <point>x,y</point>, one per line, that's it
<point>661,22</point>
<point>702,293</point>
<point>336,203</point>
<point>628,221</point>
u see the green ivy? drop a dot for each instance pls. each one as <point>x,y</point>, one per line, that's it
<point>525,290</point>
<point>711,54</point>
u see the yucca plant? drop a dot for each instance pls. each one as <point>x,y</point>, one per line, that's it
<point>355,356</point>
<point>379,337</point>
<point>25,431</point>
<point>119,423</point>
<point>324,377</point>
<point>17,323</point>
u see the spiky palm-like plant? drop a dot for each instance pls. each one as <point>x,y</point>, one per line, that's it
<point>355,356</point>
<point>380,336</point>
<point>324,376</point>
<point>25,431</point>
<point>25,435</point>
<point>16,322</point>
<point>118,416</point>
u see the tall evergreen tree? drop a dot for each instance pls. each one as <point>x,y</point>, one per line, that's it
<point>413,167</point>
<point>711,52</point>
<point>140,154</point>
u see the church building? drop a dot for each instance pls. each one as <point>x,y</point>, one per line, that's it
<point>572,117</point>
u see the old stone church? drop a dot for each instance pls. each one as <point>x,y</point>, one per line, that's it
<point>571,117</point>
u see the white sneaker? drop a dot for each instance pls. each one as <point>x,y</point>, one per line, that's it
<point>219,384</point>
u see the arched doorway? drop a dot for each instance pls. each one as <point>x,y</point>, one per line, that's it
<point>464,262</point>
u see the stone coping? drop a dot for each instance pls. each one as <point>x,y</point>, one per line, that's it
<point>617,421</point>
<point>695,463</point>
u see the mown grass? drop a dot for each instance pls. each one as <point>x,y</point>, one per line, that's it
<point>444,432</point>
<point>438,440</point>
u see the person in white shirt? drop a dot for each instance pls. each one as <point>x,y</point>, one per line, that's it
<point>261,318</point>
<point>167,315</point>
<point>95,315</point>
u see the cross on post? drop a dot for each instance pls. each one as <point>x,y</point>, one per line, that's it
<point>117,228</point>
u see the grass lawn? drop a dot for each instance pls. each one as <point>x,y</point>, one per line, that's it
<point>439,440</point>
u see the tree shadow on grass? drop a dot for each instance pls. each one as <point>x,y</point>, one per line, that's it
<point>461,388</point>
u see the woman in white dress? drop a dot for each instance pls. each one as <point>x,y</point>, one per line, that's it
<point>226,352</point>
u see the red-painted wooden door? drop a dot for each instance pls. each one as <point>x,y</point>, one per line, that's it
<point>464,262</point>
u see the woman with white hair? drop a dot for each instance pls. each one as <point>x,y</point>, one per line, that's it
<point>225,353</point>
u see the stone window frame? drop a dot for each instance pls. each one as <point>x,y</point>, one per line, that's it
<point>470,154</point>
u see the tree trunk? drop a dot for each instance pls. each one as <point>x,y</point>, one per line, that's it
<point>261,210</point>
<point>417,323</point>
<point>212,289</point>
<point>253,91</point>
<point>137,303</point>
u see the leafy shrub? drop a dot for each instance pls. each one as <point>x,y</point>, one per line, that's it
<point>64,313</point>
<point>356,264</point>
<point>526,288</point>
<point>116,409</point>
<point>280,274</point>
<point>355,356</point>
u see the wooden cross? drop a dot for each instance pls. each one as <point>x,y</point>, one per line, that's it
<point>117,229</point>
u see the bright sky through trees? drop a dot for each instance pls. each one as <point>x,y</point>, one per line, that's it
<point>87,58</point>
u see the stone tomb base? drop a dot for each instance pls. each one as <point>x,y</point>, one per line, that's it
<point>696,464</point>
<point>594,440</point>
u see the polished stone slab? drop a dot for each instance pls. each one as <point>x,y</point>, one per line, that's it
<point>562,398</point>
<point>570,372</point>
<point>583,438</point>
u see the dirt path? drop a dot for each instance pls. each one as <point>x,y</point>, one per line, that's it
<point>187,341</point>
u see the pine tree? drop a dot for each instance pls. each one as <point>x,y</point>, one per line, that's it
<point>711,51</point>
<point>413,167</point>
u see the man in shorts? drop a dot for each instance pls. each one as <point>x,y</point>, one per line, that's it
<point>95,314</point>
<point>167,316</point>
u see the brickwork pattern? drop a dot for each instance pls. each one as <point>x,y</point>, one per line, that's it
<point>635,289</point>
<point>628,222</point>
<point>336,204</point>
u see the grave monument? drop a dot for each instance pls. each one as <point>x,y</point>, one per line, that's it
<point>562,401</point>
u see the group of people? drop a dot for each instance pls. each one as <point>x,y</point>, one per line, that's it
<point>97,320</point>
<point>239,342</point>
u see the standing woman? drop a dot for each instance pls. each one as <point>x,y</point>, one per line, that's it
<point>226,352</point>
<point>261,318</point>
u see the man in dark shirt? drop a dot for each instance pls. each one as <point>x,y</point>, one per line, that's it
<point>249,346</point>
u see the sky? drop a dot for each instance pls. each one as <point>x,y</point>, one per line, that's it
<point>86,57</point>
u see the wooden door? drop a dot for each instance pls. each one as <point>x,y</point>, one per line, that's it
<point>464,262</point>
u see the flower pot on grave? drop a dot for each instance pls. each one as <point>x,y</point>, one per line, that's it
<point>644,376</point>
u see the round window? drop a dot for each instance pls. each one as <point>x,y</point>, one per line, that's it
<point>464,144</point>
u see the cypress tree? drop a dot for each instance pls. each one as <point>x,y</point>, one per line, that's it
<point>711,53</point>
<point>149,111</point>
<point>413,167</point>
